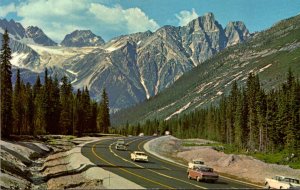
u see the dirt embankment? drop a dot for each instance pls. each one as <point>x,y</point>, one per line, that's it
<point>239,166</point>
<point>55,162</point>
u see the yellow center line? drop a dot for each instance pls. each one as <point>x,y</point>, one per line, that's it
<point>127,171</point>
<point>161,174</point>
<point>166,168</point>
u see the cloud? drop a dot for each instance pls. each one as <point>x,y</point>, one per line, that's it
<point>132,19</point>
<point>6,9</point>
<point>185,17</point>
<point>57,18</point>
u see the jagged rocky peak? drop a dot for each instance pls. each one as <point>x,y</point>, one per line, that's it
<point>13,28</point>
<point>205,23</point>
<point>81,38</point>
<point>236,32</point>
<point>38,36</point>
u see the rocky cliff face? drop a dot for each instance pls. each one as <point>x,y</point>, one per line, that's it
<point>133,67</point>
<point>38,36</point>
<point>30,35</point>
<point>236,33</point>
<point>15,29</point>
<point>82,38</point>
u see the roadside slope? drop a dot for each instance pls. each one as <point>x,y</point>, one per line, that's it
<point>54,163</point>
<point>238,166</point>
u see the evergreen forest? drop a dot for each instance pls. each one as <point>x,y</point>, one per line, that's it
<point>249,119</point>
<point>47,108</point>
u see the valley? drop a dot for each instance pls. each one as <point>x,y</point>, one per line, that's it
<point>150,94</point>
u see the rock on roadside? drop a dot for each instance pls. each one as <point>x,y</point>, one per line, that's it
<point>241,166</point>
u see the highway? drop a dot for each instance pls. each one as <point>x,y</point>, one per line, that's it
<point>156,173</point>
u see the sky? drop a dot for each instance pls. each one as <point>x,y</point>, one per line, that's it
<point>111,18</point>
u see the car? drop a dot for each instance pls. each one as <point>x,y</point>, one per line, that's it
<point>203,173</point>
<point>141,134</point>
<point>195,163</point>
<point>120,145</point>
<point>139,156</point>
<point>282,182</point>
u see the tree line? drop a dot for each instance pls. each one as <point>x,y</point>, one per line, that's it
<point>48,108</point>
<point>248,118</point>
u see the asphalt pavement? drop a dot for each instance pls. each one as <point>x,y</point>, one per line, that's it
<point>156,173</point>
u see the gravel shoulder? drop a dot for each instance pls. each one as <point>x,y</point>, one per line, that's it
<point>236,166</point>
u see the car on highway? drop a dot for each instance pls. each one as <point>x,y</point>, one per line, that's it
<point>139,156</point>
<point>195,163</point>
<point>282,182</point>
<point>141,134</point>
<point>203,173</point>
<point>120,145</point>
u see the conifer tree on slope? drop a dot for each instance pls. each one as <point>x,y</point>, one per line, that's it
<point>103,120</point>
<point>17,105</point>
<point>6,87</point>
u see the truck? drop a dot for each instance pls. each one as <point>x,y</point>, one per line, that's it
<point>139,156</point>
<point>203,173</point>
<point>195,163</point>
<point>282,182</point>
<point>120,145</point>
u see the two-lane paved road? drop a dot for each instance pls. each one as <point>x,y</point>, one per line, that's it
<point>156,173</point>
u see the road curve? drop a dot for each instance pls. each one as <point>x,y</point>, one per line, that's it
<point>156,173</point>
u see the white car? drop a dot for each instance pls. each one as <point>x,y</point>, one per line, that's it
<point>139,156</point>
<point>120,145</point>
<point>141,134</point>
<point>282,182</point>
<point>195,163</point>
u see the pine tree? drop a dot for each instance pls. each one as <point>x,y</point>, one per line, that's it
<point>66,118</point>
<point>29,110</point>
<point>253,88</point>
<point>6,87</point>
<point>78,113</point>
<point>103,119</point>
<point>47,104</point>
<point>39,115</point>
<point>55,106</point>
<point>238,122</point>
<point>17,105</point>
<point>86,111</point>
<point>93,118</point>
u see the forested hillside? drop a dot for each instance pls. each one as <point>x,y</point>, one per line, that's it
<point>269,54</point>
<point>248,119</point>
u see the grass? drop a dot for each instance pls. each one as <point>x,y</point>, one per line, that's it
<point>278,158</point>
<point>272,158</point>
<point>190,144</point>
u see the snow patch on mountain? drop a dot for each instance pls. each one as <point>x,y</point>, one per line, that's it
<point>72,72</point>
<point>264,68</point>
<point>179,111</point>
<point>203,86</point>
<point>161,109</point>
<point>18,58</point>
<point>146,90</point>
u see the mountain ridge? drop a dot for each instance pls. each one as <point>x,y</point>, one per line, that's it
<point>271,52</point>
<point>82,38</point>
<point>137,66</point>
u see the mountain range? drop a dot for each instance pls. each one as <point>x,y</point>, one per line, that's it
<point>269,54</point>
<point>131,67</point>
